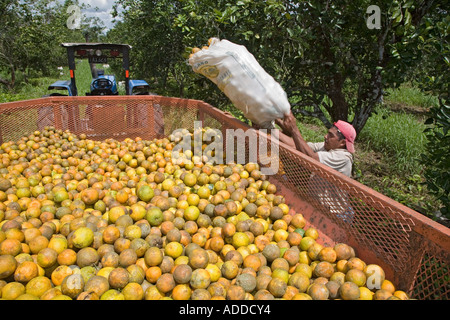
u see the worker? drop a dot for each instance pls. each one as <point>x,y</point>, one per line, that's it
<point>335,152</point>
<point>337,149</point>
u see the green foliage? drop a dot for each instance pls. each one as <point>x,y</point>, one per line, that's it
<point>30,36</point>
<point>397,135</point>
<point>436,158</point>
<point>434,76</point>
<point>331,65</point>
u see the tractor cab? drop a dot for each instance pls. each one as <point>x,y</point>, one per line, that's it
<point>101,84</point>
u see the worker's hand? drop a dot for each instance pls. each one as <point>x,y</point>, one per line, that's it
<point>288,124</point>
<point>280,123</point>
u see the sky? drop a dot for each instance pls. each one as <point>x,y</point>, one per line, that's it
<point>103,12</point>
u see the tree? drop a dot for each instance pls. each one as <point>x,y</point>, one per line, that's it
<point>330,63</point>
<point>30,36</point>
<point>434,77</point>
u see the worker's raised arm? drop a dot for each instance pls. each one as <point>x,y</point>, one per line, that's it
<point>289,127</point>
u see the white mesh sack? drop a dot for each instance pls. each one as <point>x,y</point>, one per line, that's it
<point>237,74</point>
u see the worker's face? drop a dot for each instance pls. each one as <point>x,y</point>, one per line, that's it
<point>332,140</point>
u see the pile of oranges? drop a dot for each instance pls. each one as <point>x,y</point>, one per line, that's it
<point>108,220</point>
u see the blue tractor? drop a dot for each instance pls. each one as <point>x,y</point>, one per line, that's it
<point>101,84</point>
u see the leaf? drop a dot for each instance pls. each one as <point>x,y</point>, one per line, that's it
<point>397,12</point>
<point>407,17</point>
<point>398,19</point>
<point>289,31</point>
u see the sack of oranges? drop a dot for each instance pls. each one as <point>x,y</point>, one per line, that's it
<point>239,75</point>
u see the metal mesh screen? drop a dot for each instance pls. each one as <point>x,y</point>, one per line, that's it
<point>413,250</point>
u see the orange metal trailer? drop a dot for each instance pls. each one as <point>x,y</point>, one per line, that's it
<point>413,249</point>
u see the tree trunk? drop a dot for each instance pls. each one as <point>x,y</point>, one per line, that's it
<point>10,83</point>
<point>339,109</point>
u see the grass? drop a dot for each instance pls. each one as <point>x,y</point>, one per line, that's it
<point>398,135</point>
<point>409,96</point>
<point>389,147</point>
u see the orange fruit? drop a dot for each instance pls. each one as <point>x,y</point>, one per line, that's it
<point>26,271</point>
<point>324,269</point>
<point>365,294</point>
<point>72,285</point>
<point>97,284</point>
<point>165,283</point>
<point>12,290</point>
<point>356,276</point>
<point>127,258</point>
<point>154,216</point>
<point>47,257</point>
<point>82,237</point>
<point>277,287</point>
<point>356,263</point>
<point>67,257</point>
<point>114,214</point>
<point>145,193</point>
<point>327,254</point>
<point>118,278</point>
<point>173,249</point>
<point>382,294</point>
<point>318,291</point>
<point>312,233</point>
<point>200,279</point>
<point>388,286</point>
<point>229,269</point>
<point>181,292</point>
<point>182,273</point>
<point>153,256</point>
<point>343,251</point>
<point>10,247</point>
<point>235,292</point>
<point>111,234</point>
<point>138,212</point>
<point>314,250</point>
<point>57,243</point>
<point>299,280</point>
<point>87,257</point>
<point>60,273</point>
<point>191,213</point>
<point>152,274</point>
<point>133,291</point>
<point>152,293</point>
<point>198,258</point>
<point>8,265</point>
<point>401,295</point>
<point>112,294</point>
<point>252,261</point>
<point>38,286</point>
<point>306,242</point>
<point>349,291</point>
<point>247,281</point>
<point>51,293</point>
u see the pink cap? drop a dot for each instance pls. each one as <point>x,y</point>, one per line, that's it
<point>349,133</point>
